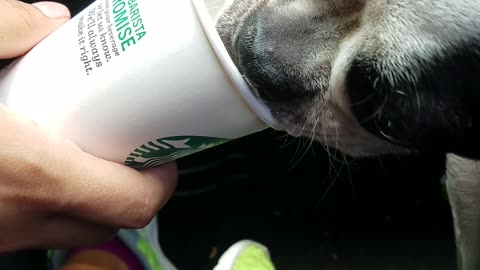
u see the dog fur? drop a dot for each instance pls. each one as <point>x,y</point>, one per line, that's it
<point>370,77</point>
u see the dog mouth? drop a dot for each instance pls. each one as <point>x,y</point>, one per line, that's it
<point>251,92</point>
<point>253,88</point>
<point>265,73</point>
<point>282,111</point>
<point>235,54</point>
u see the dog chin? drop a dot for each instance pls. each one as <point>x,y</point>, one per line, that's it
<point>361,144</point>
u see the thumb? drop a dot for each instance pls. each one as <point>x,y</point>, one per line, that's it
<point>24,25</point>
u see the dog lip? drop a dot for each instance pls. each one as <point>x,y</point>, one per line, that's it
<point>236,57</point>
<point>253,88</point>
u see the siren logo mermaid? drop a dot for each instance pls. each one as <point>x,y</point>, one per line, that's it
<point>162,150</point>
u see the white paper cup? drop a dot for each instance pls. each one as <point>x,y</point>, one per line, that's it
<point>139,82</point>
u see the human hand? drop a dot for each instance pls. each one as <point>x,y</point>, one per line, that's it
<point>52,194</point>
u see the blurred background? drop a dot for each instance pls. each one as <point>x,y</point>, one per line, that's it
<point>313,208</point>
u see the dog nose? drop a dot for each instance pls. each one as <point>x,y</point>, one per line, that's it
<point>261,64</point>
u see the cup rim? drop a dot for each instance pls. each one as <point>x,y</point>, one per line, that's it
<point>236,77</point>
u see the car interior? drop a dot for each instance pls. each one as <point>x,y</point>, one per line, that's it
<point>313,207</point>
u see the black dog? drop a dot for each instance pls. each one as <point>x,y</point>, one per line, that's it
<point>370,77</point>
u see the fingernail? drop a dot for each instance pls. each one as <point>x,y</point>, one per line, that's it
<point>53,10</point>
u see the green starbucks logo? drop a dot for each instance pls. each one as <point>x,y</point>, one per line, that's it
<point>170,148</point>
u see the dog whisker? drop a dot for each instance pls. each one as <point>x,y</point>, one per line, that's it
<point>295,163</point>
<point>419,107</point>
<point>400,92</point>
<point>311,139</point>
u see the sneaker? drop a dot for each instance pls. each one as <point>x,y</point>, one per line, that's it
<point>143,244</point>
<point>245,255</point>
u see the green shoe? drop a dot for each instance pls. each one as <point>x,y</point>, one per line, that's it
<point>245,255</point>
<point>142,243</point>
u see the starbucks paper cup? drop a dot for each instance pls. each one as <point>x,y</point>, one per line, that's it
<point>139,82</point>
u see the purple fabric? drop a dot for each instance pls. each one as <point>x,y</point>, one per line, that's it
<point>116,248</point>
